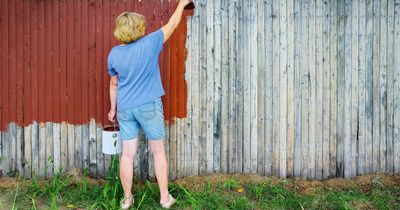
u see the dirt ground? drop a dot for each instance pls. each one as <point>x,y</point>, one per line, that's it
<point>304,186</point>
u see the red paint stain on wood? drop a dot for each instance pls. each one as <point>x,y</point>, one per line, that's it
<point>53,59</point>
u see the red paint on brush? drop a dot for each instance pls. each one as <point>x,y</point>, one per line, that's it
<point>53,60</point>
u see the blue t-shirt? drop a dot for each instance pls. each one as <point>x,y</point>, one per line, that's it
<point>136,65</point>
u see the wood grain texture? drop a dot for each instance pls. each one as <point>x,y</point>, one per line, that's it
<point>299,88</point>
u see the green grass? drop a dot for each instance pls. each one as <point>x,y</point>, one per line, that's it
<point>62,192</point>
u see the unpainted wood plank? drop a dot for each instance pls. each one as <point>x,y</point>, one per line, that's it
<point>99,153</point>
<point>42,150</point>
<point>12,129</point>
<point>27,159</point>
<point>5,158</point>
<point>216,110</point>
<point>354,85</point>
<point>85,148</point>
<point>283,75</point>
<point>368,88</point>
<point>305,83</point>
<point>189,120</point>
<point>390,80</point>
<point>348,89</point>
<point>71,146</point>
<point>396,88</point>
<point>325,91</point>
<point>49,149</point>
<point>298,16</point>
<point>247,102</point>
<point>210,50</point>
<point>195,70</point>
<point>312,93</point>
<point>362,87</point>
<point>64,146</point>
<point>276,82</point>
<point>375,88</point>
<point>35,148</point>
<point>261,72</point>
<point>56,146</point>
<point>92,148</point>
<point>383,85</point>
<point>253,29</point>
<point>232,45</point>
<point>268,89</point>
<point>319,84</point>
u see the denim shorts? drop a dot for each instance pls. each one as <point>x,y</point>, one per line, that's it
<point>149,116</point>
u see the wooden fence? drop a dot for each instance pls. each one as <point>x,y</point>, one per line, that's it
<point>280,88</point>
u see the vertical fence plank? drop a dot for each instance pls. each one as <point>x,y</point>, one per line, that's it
<point>319,84</point>
<point>396,87</point>
<point>362,87</point>
<point>369,88</point>
<point>375,97</point>
<point>232,29</point>
<point>390,80</point>
<point>382,85</point>
<point>297,84</point>
<point>326,109</point>
<point>276,82</point>
<point>304,65</point>
<point>247,51</point>
<point>224,123</point>
<point>261,72</point>
<point>269,89</point>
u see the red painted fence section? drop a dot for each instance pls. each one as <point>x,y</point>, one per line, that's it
<point>54,53</point>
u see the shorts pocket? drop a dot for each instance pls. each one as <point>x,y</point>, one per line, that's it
<point>121,116</point>
<point>147,111</point>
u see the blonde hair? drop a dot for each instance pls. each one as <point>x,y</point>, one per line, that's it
<point>129,27</point>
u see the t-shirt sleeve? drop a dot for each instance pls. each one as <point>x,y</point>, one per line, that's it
<point>110,67</point>
<point>156,40</point>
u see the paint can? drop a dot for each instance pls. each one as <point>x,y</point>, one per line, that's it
<point>111,140</point>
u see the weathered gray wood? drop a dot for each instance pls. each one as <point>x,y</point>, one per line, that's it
<point>210,50</point>
<point>382,85</point>
<point>253,86</point>
<point>369,88</point>
<point>312,92</point>
<point>224,86</point>
<point>56,146</point>
<point>275,93</point>
<point>305,82</point>
<point>35,149</point>
<point>49,149</point>
<point>282,87</point>
<point>195,91</point>
<point>92,148</point>
<point>64,145</point>
<point>390,81</point>
<point>42,150</point>
<point>217,60</point>
<point>246,88</point>
<point>375,97</point>
<point>297,84</point>
<point>19,150</point>
<point>78,146</point>
<point>71,146</point>
<point>261,72</point>
<point>99,153</point>
<point>361,136</point>
<point>232,48</point>
<point>325,91</point>
<point>396,88</point>
<point>27,151</point>
<point>203,86</point>
<point>354,85</point>
<point>333,60</point>
<point>85,147</point>
<point>12,129</point>
<point>290,87</point>
<point>319,84</point>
